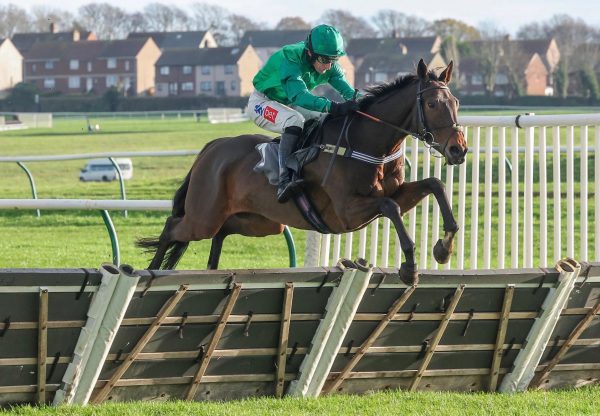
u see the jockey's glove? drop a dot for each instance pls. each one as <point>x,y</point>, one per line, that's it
<point>341,109</point>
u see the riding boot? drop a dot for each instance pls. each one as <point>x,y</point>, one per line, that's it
<point>287,186</point>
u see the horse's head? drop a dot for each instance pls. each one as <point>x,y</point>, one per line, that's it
<point>437,115</point>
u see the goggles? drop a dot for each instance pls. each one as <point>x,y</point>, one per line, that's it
<point>325,60</point>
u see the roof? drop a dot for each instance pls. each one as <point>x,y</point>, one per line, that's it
<point>85,50</point>
<point>168,40</point>
<point>202,56</point>
<point>362,46</point>
<point>539,46</point>
<point>272,38</point>
<point>24,41</point>
<point>387,62</point>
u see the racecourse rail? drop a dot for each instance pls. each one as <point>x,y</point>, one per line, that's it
<point>517,149</point>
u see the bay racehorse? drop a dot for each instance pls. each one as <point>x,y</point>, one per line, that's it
<point>223,195</point>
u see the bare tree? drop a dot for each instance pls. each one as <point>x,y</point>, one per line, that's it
<point>349,25</point>
<point>214,18</point>
<point>489,54</point>
<point>391,23</point>
<point>292,23</point>
<point>103,19</point>
<point>136,22</point>
<point>460,31</point>
<point>162,18</point>
<point>43,16</point>
<point>13,19</point>
<point>239,25</point>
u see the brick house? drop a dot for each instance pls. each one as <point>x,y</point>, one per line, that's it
<point>380,60</point>
<point>92,66</point>
<point>517,62</point>
<point>24,41</point>
<point>221,71</point>
<point>171,40</point>
<point>11,66</point>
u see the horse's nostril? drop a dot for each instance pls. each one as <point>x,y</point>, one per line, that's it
<point>455,151</point>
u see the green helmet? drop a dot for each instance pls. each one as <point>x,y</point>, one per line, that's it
<point>325,40</point>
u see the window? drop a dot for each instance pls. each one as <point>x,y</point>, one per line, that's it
<point>74,82</point>
<point>187,86</point>
<point>187,69</point>
<point>221,87</point>
<point>89,67</point>
<point>501,79</point>
<point>476,79</point>
<point>111,63</point>
<point>164,70</point>
<point>49,65</point>
<point>205,70</point>
<point>126,65</point>
<point>111,80</point>
<point>206,86</point>
<point>233,85</point>
<point>33,68</point>
<point>229,69</point>
<point>49,83</point>
<point>380,77</point>
<point>73,64</point>
<point>173,88</point>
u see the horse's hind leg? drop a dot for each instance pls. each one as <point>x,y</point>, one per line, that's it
<point>215,250</point>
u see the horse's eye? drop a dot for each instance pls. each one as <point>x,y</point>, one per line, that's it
<point>431,104</point>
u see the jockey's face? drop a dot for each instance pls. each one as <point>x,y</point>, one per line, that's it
<point>321,65</point>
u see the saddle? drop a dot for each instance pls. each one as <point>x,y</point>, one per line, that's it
<point>308,150</point>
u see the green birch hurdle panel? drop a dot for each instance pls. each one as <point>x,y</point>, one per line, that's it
<point>230,334</point>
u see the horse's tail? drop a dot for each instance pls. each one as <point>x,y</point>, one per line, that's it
<point>179,197</point>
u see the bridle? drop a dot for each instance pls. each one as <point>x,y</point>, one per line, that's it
<point>423,132</point>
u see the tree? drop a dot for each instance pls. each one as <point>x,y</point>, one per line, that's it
<point>111,97</point>
<point>239,25</point>
<point>214,18</point>
<point>43,16</point>
<point>489,54</point>
<point>163,18</point>
<point>349,25</point>
<point>103,19</point>
<point>391,23</point>
<point>13,20</point>
<point>22,97</point>
<point>460,31</point>
<point>292,23</point>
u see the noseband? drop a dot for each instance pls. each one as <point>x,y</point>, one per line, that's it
<point>423,133</point>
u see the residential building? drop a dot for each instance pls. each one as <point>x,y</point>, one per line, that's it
<point>185,39</point>
<point>506,67</point>
<point>93,66</point>
<point>24,41</point>
<point>379,60</point>
<point>11,66</point>
<point>221,71</point>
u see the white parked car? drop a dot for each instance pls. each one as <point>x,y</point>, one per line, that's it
<point>103,170</point>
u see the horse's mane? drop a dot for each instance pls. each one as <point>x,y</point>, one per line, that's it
<point>377,91</point>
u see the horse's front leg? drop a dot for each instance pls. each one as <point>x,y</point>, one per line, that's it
<point>411,193</point>
<point>408,269</point>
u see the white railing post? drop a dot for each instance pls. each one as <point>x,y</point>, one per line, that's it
<point>487,203</point>
<point>583,207</point>
<point>514,226</point>
<point>501,196</point>
<point>528,200</point>
<point>475,199</point>
<point>543,261</point>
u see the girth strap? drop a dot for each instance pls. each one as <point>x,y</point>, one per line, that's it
<point>363,157</point>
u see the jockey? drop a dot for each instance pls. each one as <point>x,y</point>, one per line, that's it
<point>282,100</point>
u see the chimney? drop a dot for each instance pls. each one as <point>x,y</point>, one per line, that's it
<point>52,27</point>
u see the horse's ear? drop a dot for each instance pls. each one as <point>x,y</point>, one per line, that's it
<point>446,73</point>
<point>422,69</point>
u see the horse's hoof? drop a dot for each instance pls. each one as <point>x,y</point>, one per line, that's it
<point>408,274</point>
<point>440,253</point>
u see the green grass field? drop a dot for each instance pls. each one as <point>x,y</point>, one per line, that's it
<point>79,239</point>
